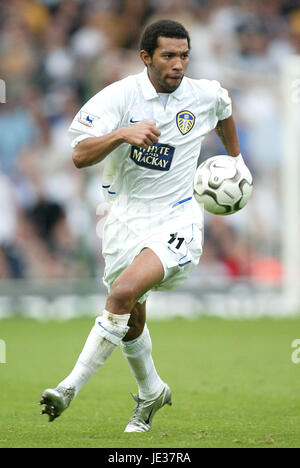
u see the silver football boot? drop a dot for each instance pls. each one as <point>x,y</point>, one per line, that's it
<point>56,400</point>
<point>144,411</point>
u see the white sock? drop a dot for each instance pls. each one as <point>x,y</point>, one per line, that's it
<point>138,355</point>
<point>106,334</point>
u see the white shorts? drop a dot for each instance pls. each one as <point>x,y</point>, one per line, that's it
<point>179,252</point>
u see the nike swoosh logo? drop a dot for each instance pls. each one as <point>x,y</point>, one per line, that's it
<point>134,121</point>
<point>218,166</point>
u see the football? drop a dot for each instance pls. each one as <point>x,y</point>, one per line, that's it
<point>223,184</point>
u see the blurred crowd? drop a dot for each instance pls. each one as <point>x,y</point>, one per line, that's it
<point>56,54</point>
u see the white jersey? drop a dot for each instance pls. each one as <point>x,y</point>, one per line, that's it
<point>155,184</point>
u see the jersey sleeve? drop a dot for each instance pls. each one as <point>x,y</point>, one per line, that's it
<point>223,103</point>
<point>99,116</point>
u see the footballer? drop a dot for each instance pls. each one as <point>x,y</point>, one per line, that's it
<point>148,127</point>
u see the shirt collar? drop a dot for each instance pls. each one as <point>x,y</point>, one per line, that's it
<point>149,92</point>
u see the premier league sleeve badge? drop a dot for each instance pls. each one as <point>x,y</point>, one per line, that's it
<point>87,119</point>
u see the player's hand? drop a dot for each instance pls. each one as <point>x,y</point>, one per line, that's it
<point>142,134</point>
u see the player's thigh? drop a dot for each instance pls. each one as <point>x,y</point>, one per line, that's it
<point>144,272</point>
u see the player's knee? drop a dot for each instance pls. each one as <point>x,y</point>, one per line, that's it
<point>122,296</point>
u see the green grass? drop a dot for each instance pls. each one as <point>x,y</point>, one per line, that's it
<point>233,384</point>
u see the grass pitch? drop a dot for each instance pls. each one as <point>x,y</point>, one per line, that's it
<point>233,383</point>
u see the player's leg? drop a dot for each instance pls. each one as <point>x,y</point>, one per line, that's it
<point>103,338</point>
<point>120,318</point>
<point>138,353</point>
<point>108,331</point>
<point>153,392</point>
<point>136,322</point>
<point>176,271</point>
<point>145,272</point>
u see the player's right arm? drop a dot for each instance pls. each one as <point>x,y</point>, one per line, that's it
<point>94,149</point>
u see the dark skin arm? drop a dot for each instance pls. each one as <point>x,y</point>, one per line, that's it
<point>226,131</point>
<point>93,150</point>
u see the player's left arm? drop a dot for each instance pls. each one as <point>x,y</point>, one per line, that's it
<point>226,131</point>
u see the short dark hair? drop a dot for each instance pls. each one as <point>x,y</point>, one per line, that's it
<point>162,28</point>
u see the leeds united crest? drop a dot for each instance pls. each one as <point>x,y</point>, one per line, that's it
<point>185,121</point>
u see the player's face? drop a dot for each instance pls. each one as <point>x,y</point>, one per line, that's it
<point>167,66</point>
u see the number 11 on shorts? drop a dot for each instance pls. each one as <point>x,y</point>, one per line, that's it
<point>173,238</point>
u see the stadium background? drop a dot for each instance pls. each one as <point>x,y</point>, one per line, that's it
<point>235,383</point>
<point>54,55</point>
